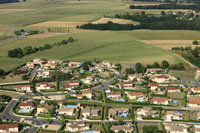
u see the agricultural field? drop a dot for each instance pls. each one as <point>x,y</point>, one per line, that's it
<point>107,45</point>
<point>62,17</point>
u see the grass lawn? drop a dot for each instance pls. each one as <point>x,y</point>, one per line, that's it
<point>141,125</point>
<point>176,95</point>
<point>182,74</point>
<point>11,94</point>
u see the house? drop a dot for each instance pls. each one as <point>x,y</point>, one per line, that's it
<point>198,72</point>
<point>161,79</point>
<point>74,64</point>
<point>174,89</point>
<point>155,87</point>
<point>196,128</point>
<point>44,86</point>
<point>27,105</point>
<point>194,102</point>
<point>124,128</point>
<point>126,85</point>
<point>106,64</point>
<point>198,116</point>
<point>49,66</point>
<point>9,128</point>
<point>44,73</point>
<point>38,61</point>
<point>67,111</point>
<point>173,115</point>
<point>160,100</point>
<point>55,61</point>
<point>114,94</point>
<point>87,93</point>
<point>153,71</point>
<point>147,111</point>
<point>72,84</point>
<point>138,77</point>
<point>27,88</point>
<point>196,90</point>
<point>77,126</point>
<point>122,112</point>
<point>44,108</point>
<point>136,95</point>
<point>30,65</point>
<point>88,80</point>
<point>90,112</point>
<point>171,128</point>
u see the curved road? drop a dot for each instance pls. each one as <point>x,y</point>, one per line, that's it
<point>12,38</point>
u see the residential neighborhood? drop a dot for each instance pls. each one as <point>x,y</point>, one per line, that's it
<point>98,97</point>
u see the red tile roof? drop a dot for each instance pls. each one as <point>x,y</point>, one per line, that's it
<point>28,103</point>
<point>86,92</point>
<point>75,81</point>
<point>196,89</point>
<point>152,84</point>
<point>162,76</point>
<point>194,101</point>
<point>20,86</point>
<point>174,88</point>
<point>160,99</point>
<point>7,126</point>
<point>137,94</point>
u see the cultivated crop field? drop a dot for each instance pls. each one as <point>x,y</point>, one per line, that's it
<point>115,46</point>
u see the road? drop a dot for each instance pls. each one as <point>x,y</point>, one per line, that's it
<point>7,115</point>
<point>12,38</point>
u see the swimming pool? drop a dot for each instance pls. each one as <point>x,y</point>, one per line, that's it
<point>140,100</point>
<point>89,132</point>
<point>123,115</point>
<point>70,106</point>
<point>120,100</point>
<point>24,111</point>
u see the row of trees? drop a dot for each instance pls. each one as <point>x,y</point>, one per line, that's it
<point>108,26</point>
<point>163,22</point>
<point>139,68</point>
<point>166,6</point>
<point>19,52</point>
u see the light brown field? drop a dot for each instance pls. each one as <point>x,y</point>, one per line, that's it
<point>114,20</point>
<point>46,35</point>
<point>168,44</point>
<point>3,11</point>
<point>81,1</point>
<point>58,24</point>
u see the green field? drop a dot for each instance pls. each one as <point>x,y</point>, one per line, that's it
<point>110,46</point>
<point>114,46</point>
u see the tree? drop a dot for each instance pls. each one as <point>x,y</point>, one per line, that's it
<point>28,50</point>
<point>70,39</point>
<point>195,42</point>
<point>195,53</point>
<point>165,64</point>
<point>18,32</point>
<point>162,13</point>
<point>25,77</point>
<point>150,129</point>
<point>156,65</point>
<point>130,71</point>
<point>121,131</point>
<point>2,72</point>
<point>139,68</point>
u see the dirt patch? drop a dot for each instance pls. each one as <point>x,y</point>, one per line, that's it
<point>114,20</point>
<point>168,44</point>
<point>181,42</point>
<point>80,1</point>
<point>58,24</point>
<point>2,11</point>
